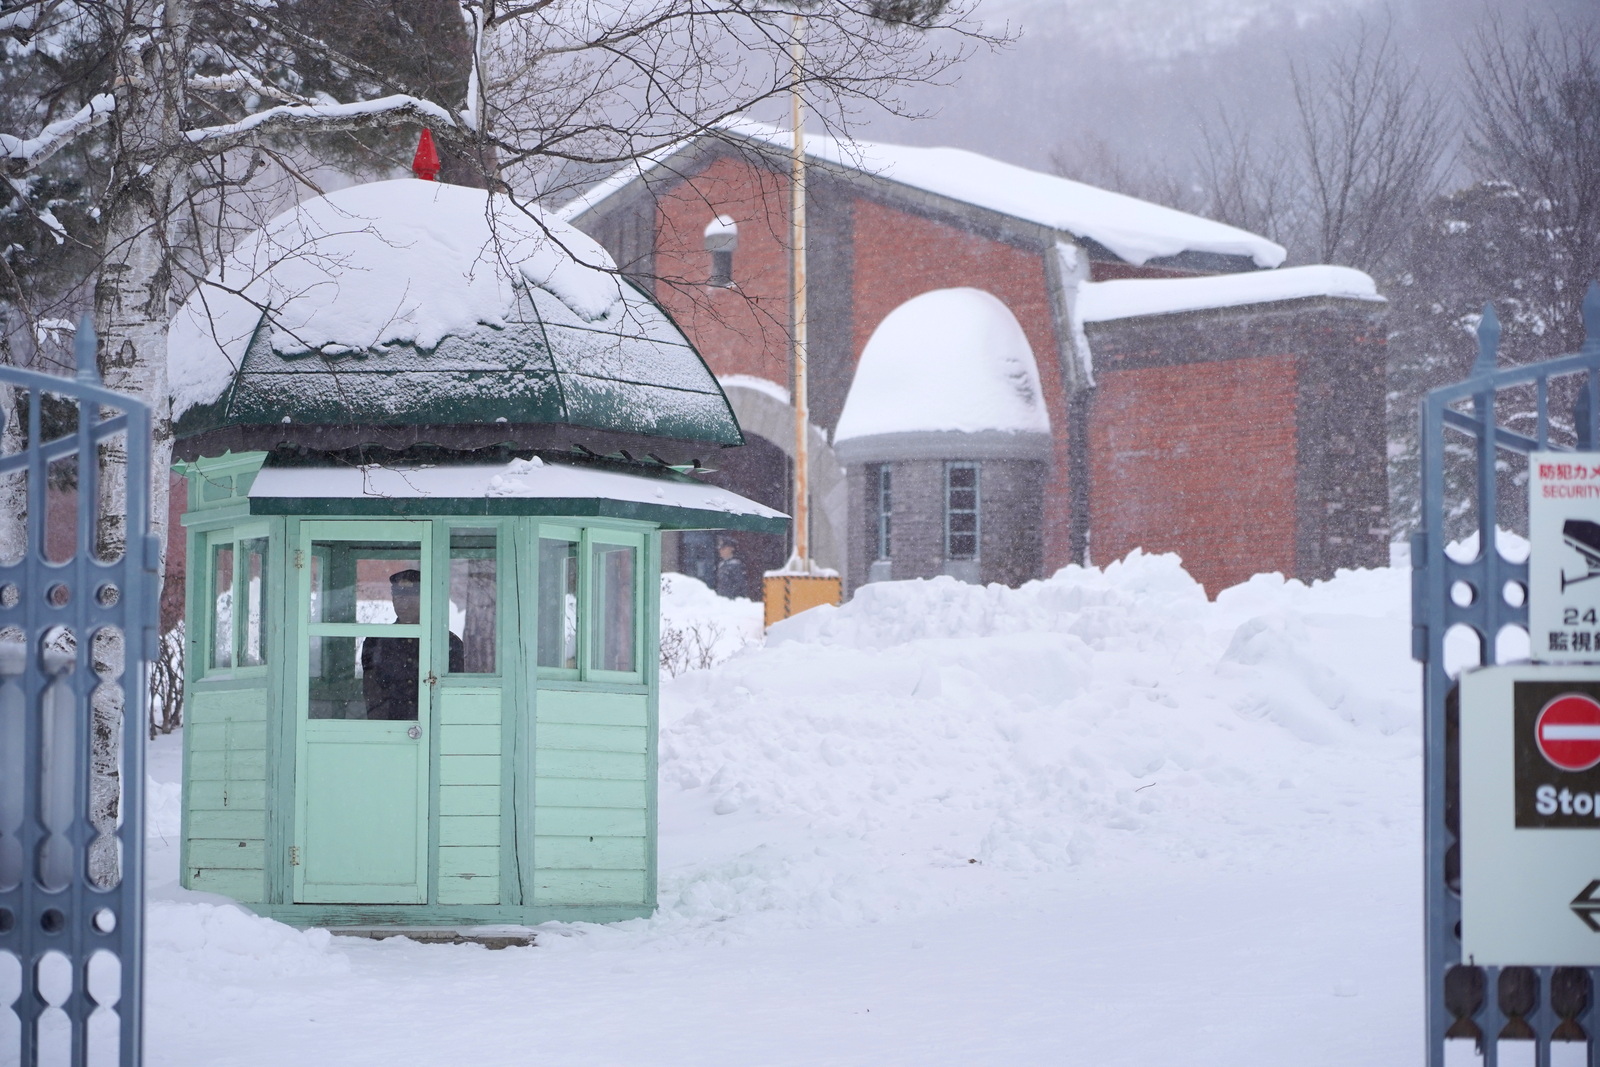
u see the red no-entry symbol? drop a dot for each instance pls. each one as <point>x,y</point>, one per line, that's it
<point>1568,731</point>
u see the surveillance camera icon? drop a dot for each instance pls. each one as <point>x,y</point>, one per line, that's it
<point>1583,537</point>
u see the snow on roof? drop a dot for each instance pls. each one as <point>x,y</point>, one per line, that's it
<point>950,359</point>
<point>396,261</point>
<point>523,479</point>
<point>1135,230</point>
<point>760,385</point>
<point>1133,297</point>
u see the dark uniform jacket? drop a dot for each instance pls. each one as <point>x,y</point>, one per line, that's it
<point>389,675</point>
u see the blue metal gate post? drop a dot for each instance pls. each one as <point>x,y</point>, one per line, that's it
<point>57,926</point>
<point>1485,594</point>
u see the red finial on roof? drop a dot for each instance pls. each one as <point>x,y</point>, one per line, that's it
<point>425,164</point>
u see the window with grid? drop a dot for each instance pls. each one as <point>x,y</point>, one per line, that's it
<point>961,511</point>
<point>885,510</point>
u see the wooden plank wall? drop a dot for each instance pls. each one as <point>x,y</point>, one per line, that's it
<point>590,803</point>
<point>225,799</point>
<point>469,796</point>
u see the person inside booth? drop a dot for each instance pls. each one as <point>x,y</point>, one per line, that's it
<point>390,672</point>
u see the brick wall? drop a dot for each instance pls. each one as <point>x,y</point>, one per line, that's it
<point>1197,459</point>
<point>1245,440</point>
<point>743,331</point>
<point>1011,513</point>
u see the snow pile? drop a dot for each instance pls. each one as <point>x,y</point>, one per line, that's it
<point>1094,719</point>
<point>700,629</point>
<point>1132,297</point>
<point>950,359</point>
<point>396,261</point>
<point>1135,230</point>
<point>163,809</point>
<point>221,942</point>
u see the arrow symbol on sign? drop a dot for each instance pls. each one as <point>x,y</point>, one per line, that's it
<point>1586,905</point>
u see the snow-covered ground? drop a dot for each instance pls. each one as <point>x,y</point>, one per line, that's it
<point>1097,820</point>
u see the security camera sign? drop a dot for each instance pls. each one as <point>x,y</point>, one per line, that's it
<point>1564,562</point>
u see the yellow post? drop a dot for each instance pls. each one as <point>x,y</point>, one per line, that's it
<point>790,594</point>
<point>800,584</point>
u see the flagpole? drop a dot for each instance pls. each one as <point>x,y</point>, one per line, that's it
<point>797,302</point>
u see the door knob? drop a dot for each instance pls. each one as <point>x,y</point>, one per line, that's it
<point>414,733</point>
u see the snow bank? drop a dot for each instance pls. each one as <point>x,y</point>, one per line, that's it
<point>163,809</point>
<point>700,629</point>
<point>1093,719</point>
<point>1136,230</point>
<point>1132,297</point>
<point>396,261</point>
<point>950,359</point>
<point>208,943</point>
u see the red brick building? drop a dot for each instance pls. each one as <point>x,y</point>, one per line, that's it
<point>1197,399</point>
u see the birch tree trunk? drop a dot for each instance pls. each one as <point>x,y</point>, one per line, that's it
<point>13,487</point>
<point>133,304</point>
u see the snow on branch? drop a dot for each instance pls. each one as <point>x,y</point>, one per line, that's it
<point>322,117</point>
<point>240,81</point>
<point>21,156</point>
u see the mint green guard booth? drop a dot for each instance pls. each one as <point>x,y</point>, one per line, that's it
<point>423,583</point>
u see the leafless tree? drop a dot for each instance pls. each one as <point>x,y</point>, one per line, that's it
<point>1094,161</point>
<point>1246,180</point>
<point>1535,99</point>
<point>1371,142</point>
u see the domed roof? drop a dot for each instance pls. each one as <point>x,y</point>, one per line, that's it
<point>407,303</point>
<point>947,363</point>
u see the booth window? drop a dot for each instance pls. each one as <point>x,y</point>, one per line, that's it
<point>961,511</point>
<point>588,605</point>
<point>722,240</point>
<point>885,509</point>
<point>222,606</point>
<point>361,592</point>
<point>473,599</point>
<point>558,602</point>
<point>238,601</point>
<point>253,578</point>
<point>613,574</point>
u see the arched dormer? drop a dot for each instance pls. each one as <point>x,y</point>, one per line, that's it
<point>946,420</point>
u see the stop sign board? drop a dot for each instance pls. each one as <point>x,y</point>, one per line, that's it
<point>1568,732</point>
<point>1529,796</point>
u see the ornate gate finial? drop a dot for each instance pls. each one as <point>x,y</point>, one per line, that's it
<point>1488,342</point>
<point>84,344</point>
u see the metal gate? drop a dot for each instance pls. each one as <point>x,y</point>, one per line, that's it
<point>1488,1015</point>
<point>76,635</point>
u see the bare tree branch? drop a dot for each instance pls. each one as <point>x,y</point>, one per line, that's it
<point>22,156</point>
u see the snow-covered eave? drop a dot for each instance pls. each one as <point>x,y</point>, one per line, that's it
<point>1132,298</point>
<point>911,445</point>
<point>520,487</point>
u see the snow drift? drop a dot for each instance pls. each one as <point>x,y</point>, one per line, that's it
<point>1095,718</point>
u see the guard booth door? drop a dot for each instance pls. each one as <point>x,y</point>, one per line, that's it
<point>363,686</point>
